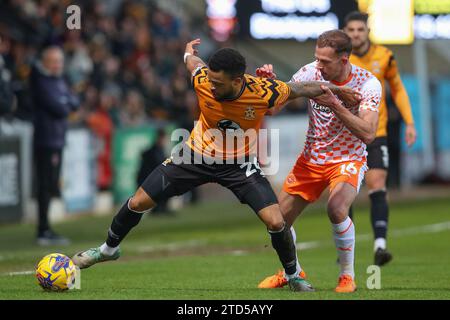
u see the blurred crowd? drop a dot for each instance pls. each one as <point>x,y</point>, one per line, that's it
<point>124,66</point>
<point>125,63</point>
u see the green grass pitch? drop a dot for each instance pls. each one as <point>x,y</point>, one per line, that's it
<point>222,251</point>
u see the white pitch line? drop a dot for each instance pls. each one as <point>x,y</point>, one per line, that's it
<point>173,246</point>
<point>430,228</point>
<point>309,245</point>
<point>19,273</point>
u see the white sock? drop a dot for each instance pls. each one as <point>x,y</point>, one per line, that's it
<point>379,243</point>
<point>299,268</point>
<point>344,238</point>
<point>107,250</point>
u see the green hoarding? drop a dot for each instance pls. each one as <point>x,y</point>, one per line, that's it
<point>128,144</point>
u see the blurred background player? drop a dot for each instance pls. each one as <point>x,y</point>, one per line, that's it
<point>381,62</point>
<point>334,155</point>
<point>53,102</point>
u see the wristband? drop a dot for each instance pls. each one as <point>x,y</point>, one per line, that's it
<point>186,54</point>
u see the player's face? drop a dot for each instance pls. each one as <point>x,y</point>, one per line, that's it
<point>222,86</point>
<point>330,64</point>
<point>358,31</point>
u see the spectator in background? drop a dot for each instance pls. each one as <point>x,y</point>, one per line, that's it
<point>101,124</point>
<point>150,159</point>
<point>53,102</point>
<point>133,113</point>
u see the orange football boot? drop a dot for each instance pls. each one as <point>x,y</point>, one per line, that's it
<point>277,280</point>
<point>346,284</point>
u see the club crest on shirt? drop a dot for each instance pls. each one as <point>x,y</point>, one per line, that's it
<point>250,113</point>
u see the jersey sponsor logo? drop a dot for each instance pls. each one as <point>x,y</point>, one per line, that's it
<point>226,124</point>
<point>321,108</point>
<point>250,113</point>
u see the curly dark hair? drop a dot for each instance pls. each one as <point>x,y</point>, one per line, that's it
<point>229,61</point>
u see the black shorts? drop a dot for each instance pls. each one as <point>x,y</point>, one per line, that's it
<point>378,154</point>
<point>246,181</point>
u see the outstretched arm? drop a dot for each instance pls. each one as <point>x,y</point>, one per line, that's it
<point>190,56</point>
<point>312,89</point>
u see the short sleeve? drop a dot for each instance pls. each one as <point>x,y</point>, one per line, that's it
<point>305,73</point>
<point>278,93</point>
<point>199,76</point>
<point>371,95</point>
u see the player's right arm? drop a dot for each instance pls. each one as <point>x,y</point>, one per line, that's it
<point>191,59</point>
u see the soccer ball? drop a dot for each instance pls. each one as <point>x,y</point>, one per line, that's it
<point>56,272</point>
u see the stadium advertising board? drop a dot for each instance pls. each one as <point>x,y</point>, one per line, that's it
<point>290,19</point>
<point>10,182</point>
<point>78,187</point>
<point>128,144</point>
<point>432,19</point>
<point>392,22</point>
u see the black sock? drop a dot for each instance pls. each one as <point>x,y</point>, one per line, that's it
<point>122,223</point>
<point>379,213</point>
<point>350,213</point>
<point>283,243</point>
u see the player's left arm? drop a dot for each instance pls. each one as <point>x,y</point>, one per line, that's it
<point>314,89</point>
<point>400,97</point>
<point>364,125</point>
<point>282,92</point>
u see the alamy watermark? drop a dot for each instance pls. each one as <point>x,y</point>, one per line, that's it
<point>374,280</point>
<point>73,21</point>
<point>227,145</point>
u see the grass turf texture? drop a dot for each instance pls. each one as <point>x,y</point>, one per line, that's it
<point>222,251</point>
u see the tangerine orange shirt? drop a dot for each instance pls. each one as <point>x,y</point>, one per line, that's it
<point>236,121</point>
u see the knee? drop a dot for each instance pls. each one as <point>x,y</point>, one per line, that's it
<point>140,202</point>
<point>275,223</point>
<point>337,212</point>
<point>376,182</point>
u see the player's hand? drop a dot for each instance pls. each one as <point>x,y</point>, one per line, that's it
<point>349,97</point>
<point>410,135</point>
<point>327,99</point>
<point>266,71</point>
<point>190,47</point>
